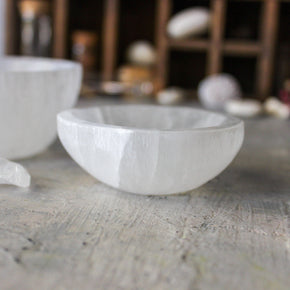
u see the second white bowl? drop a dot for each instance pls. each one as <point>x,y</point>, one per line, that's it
<point>32,92</point>
<point>150,149</point>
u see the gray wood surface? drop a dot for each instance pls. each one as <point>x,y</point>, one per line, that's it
<point>68,231</point>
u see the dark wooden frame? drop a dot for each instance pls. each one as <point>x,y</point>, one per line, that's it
<point>216,46</point>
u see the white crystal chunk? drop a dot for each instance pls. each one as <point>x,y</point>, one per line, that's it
<point>32,92</point>
<point>150,149</point>
<point>13,173</point>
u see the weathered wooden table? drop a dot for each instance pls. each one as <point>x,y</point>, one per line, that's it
<point>68,231</point>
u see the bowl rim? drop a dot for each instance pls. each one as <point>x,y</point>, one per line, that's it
<point>68,116</point>
<point>58,64</point>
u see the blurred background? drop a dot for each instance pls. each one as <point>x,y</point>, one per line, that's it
<point>167,51</point>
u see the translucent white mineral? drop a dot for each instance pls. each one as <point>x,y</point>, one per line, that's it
<point>189,22</point>
<point>150,149</point>
<point>13,173</point>
<point>216,90</point>
<point>32,91</point>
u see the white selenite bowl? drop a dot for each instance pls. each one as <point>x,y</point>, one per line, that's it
<point>32,92</point>
<point>150,149</point>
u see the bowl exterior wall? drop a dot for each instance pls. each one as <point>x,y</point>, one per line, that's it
<point>151,162</point>
<point>29,103</point>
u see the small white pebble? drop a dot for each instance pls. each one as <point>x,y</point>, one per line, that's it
<point>170,96</point>
<point>142,53</point>
<point>274,107</point>
<point>243,108</point>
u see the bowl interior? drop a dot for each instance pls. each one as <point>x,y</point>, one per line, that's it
<point>153,117</point>
<point>33,64</point>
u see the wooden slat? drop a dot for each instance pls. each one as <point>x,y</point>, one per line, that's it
<point>217,30</point>
<point>269,27</point>
<point>163,14</point>
<point>60,24</point>
<point>111,18</point>
<point>258,0</point>
<point>10,29</point>
<point>230,47</point>
<point>242,48</point>
<point>193,44</point>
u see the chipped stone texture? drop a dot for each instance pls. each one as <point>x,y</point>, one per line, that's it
<point>69,231</point>
<point>13,173</point>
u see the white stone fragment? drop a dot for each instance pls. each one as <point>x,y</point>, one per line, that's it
<point>150,149</point>
<point>274,107</point>
<point>32,92</point>
<point>246,108</point>
<point>170,96</point>
<point>13,173</point>
<point>216,90</point>
<point>141,53</point>
<point>189,22</point>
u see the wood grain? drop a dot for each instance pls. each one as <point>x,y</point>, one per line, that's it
<point>68,231</point>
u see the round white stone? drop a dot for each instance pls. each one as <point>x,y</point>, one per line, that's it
<point>141,53</point>
<point>214,91</point>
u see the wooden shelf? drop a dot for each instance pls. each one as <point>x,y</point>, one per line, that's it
<point>230,47</point>
<point>192,44</point>
<point>216,46</point>
<point>60,20</point>
<point>241,48</point>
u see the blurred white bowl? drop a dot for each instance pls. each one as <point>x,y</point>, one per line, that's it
<point>32,92</point>
<point>150,149</point>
